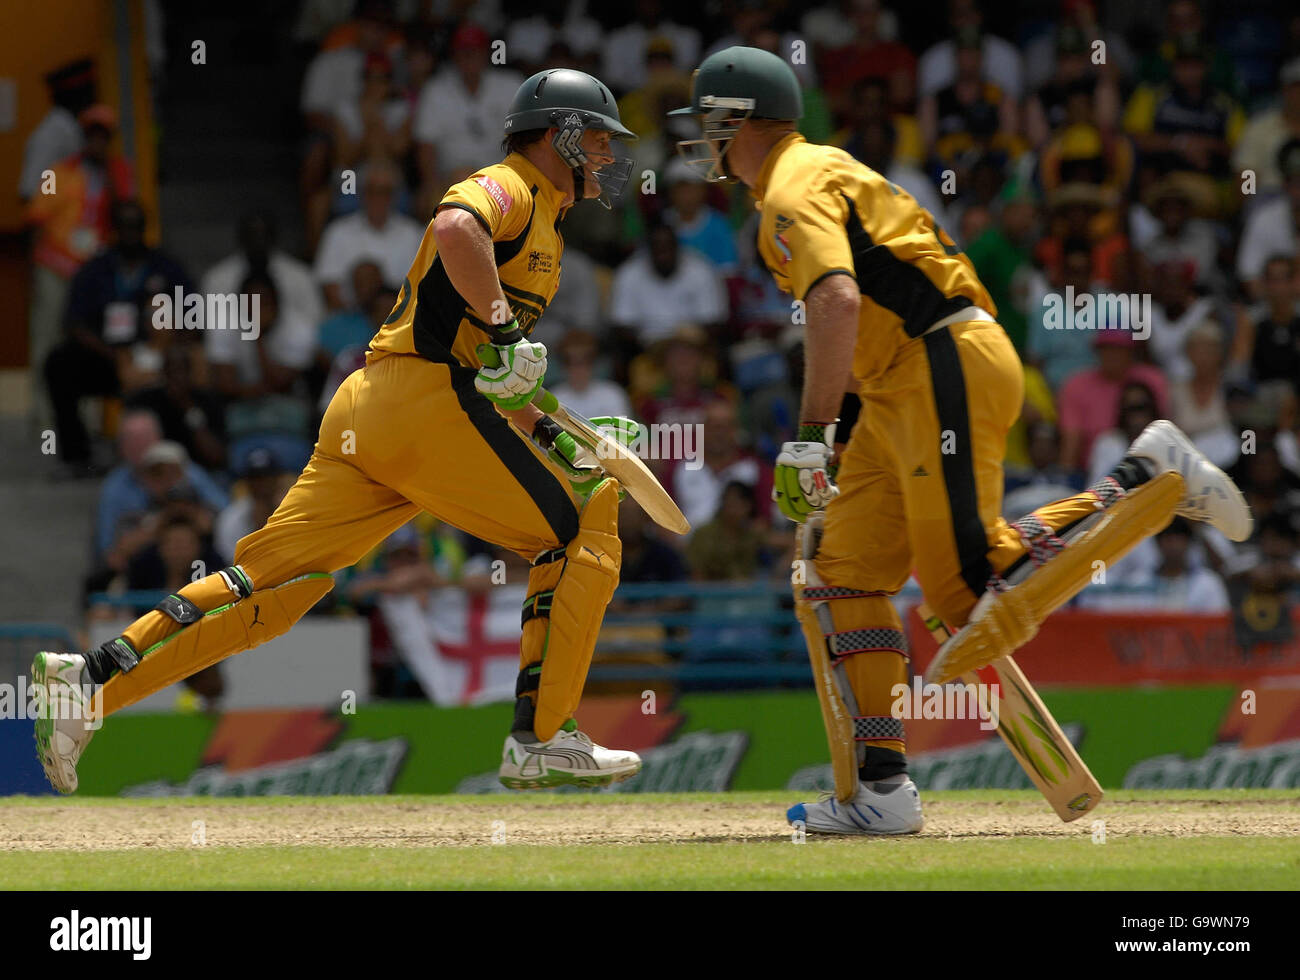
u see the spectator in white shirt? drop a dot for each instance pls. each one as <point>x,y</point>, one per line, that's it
<point>563,21</point>
<point>1266,133</point>
<point>377,232</point>
<point>937,69</point>
<point>1271,228</point>
<point>625,50</point>
<point>663,285</point>
<point>295,284</point>
<point>1176,584</point>
<point>1176,310</point>
<point>581,390</point>
<point>457,125</point>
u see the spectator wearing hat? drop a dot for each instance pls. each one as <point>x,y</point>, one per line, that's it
<point>264,483</point>
<point>72,217</point>
<point>1266,347</point>
<point>581,390</point>
<point>624,67</point>
<point>663,285</point>
<point>1186,123</point>
<point>1090,399</point>
<point>1266,133</point>
<point>1183,229</point>
<point>699,225</point>
<point>58,135</point>
<point>458,118</point>
<point>1272,228</point>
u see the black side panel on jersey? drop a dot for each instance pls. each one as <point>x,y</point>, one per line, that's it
<point>441,308</point>
<point>898,286</point>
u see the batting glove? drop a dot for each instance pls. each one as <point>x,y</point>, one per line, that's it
<point>511,373</point>
<point>802,481</point>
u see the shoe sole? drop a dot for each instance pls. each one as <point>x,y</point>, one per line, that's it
<point>45,724</point>
<point>555,778</point>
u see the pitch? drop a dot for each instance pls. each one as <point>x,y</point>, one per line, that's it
<point>981,839</point>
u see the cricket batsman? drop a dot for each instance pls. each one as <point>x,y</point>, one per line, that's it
<point>897,319</point>
<point>426,426</point>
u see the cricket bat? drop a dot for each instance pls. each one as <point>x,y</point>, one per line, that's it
<point>1031,733</point>
<point>615,460</point>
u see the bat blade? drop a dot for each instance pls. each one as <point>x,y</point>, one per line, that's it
<point>1031,734</point>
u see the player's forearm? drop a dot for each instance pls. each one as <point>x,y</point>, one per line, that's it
<point>466,252</point>
<point>829,339</point>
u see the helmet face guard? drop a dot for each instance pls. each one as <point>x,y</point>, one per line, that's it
<point>720,117</point>
<point>610,178</point>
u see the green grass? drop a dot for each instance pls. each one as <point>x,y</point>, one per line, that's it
<point>1051,857</point>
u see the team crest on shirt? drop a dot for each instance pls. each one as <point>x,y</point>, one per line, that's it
<point>542,262</point>
<point>495,191</point>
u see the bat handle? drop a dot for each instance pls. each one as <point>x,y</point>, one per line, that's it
<point>543,399</point>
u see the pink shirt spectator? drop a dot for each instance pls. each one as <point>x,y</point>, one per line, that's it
<point>1089,403</point>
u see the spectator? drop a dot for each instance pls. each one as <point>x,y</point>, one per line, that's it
<point>152,469</point>
<point>698,225</point>
<point>875,143</point>
<point>259,250</point>
<point>663,285</point>
<point>72,214</point>
<point>529,39</point>
<point>874,133</point>
<point>698,488</point>
<point>190,415</point>
<point>336,73</point>
<point>1056,352</point>
<point>1043,480</point>
<point>731,547</point>
<point>578,300</point>
<point>1090,398</point>
<point>110,308</point>
<point>1080,152</point>
<point>1271,228</point>
<point>1177,584</point>
<point>1197,404</point>
<point>353,357</point>
<point>970,117</point>
<point>625,49</point>
<point>1003,258</point>
<point>644,110</point>
<point>1184,19</point>
<point>937,69</point>
<point>58,135</point>
<point>1267,342</point>
<point>1270,487</point>
<point>266,482</point>
<point>263,380</point>
<point>377,232</point>
<point>867,54</point>
<point>687,383</point>
<point>351,326</point>
<point>645,559</point>
<point>1081,210</point>
<point>1266,133</point>
<point>1183,231</point>
<point>1176,310</point>
<point>1264,583</point>
<point>1076,92</point>
<point>1186,123</point>
<point>1079,17</point>
<point>458,120</point>
<point>581,390</point>
<point>376,124</point>
<point>1137,410</point>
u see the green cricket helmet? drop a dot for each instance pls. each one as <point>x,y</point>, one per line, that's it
<point>572,101</point>
<point>730,86</point>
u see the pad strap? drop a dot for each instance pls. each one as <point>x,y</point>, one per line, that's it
<point>180,609</point>
<point>121,653</point>
<point>237,581</point>
<point>529,679</point>
<point>537,606</point>
<point>878,728</point>
<point>875,640</point>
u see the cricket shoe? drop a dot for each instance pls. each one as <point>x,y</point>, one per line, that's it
<point>885,807</point>
<point>1211,497</point>
<point>63,723</point>
<point>569,758</point>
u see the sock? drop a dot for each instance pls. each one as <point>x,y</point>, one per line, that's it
<point>1132,471</point>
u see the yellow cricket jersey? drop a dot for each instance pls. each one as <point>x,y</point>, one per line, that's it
<point>825,213</point>
<point>520,209</point>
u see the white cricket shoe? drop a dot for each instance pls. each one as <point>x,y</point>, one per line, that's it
<point>897,810</point>
<point>1212,497</point>
<point>63,726</point>
<point>569,758</point>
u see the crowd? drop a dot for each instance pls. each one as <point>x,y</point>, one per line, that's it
<point>1130,196</point>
